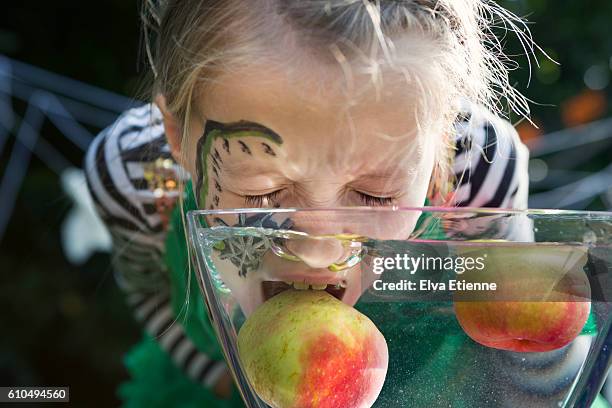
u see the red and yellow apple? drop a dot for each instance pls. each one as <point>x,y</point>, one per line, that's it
<point>541,302</point>
<point>306,349</point>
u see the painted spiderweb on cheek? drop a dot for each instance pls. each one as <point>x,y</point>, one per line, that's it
<point>246,248</point>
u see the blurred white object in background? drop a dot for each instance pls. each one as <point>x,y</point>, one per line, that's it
<point>83,232</point>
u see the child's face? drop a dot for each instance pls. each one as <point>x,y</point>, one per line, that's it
<point>302,139</point>
<point>307,138</point>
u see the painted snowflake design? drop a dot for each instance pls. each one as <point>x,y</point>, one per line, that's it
<point>246,252</point>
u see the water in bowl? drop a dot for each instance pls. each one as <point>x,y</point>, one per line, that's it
<point>432,362</point>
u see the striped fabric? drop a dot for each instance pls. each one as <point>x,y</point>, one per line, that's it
<point>114,166</point>
<point>490,164</point>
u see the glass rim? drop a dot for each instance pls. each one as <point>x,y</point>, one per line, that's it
<point>398,209</point>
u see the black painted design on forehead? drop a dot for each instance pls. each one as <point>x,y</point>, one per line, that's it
<point>242,126</point>
<point>205,150</point>
<point>216,200</point>
<point>218,186</point>
<point>268,149</point>
<point>244,148</point>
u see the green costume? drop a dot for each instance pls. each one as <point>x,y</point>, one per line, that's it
<point>156,381</point>
<point>423,346</point>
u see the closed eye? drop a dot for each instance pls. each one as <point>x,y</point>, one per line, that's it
<point>263,199</point>
<point>270,199</point>
<point>370,200</point>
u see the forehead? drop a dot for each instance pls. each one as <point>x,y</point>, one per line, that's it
<point>308,87</point>
<point>328,105</point>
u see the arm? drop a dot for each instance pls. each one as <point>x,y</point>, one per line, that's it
<point>490,164</point>
<point>114,171</point>
<point>491,170</point>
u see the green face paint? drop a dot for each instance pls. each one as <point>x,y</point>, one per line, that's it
<point>207,154</point>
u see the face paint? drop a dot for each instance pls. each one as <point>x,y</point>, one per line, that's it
<point>246,253</point>
<point>245,148</point>
<point>217,156</point>
<point>208,154</point>
<point>268,149</point>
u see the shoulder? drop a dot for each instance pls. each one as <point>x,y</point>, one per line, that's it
<point>491,162</point>
<point>116,164</point>
<point>138,134</point>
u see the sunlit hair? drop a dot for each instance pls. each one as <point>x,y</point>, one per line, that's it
<point>190,42</point>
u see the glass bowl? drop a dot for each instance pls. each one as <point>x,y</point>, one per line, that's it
<point>410,270</point>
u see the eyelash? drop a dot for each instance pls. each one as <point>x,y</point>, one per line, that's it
<point>258,200</point>
<point>270,198</point>
<point>371,201</point>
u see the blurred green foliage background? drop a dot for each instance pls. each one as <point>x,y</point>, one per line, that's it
<point>576,35</point>
<point>67,325</point>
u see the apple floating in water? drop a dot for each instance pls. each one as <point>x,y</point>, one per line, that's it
<point>541,302</point>
<point>307,349</point>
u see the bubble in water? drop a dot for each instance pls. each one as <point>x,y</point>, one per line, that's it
<point>589,237</point>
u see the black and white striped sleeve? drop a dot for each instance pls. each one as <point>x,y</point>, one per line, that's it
<point>490,163</point>
<point>491,170</point>
<point>114,166</point>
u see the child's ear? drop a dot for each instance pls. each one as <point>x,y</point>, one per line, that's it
<point>171,128</point>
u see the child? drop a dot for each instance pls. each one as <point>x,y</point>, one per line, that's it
<point>334,103</point>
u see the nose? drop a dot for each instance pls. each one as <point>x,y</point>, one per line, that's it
<point>320,249</point>
<point>317,253</point>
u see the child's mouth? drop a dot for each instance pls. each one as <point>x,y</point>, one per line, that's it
<point>273,288</point>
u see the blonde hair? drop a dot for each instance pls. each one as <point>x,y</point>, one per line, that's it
<point>189,42</point>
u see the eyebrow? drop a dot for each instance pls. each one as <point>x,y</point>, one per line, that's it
<point>385,175</point>
<point>241,126</point>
